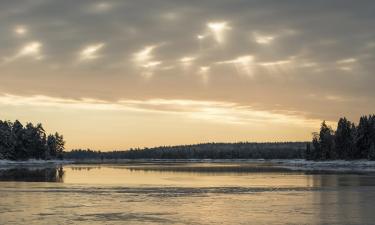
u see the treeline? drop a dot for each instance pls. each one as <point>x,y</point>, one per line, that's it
<point>348,142</point>
<point>242,150</point>
<point>18,142</point>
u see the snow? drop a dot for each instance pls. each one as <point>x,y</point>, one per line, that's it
<point>291,164</point>
<point>333,165</point>
<point>33,162</point>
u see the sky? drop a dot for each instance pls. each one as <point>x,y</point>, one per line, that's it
<point>121,74</point>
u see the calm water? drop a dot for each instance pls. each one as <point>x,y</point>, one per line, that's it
<point>183,193</point>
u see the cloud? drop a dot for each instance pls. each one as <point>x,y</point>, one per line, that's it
<point>91,52</point>
<point>20,30</point>
<point>144,60</point>
<point>152,64</point>
<point>204,72</point>
<point>263,39</point>
<point>243,64</point>
<point>187,59</point>
<point>323,39</point>
<point>29,50</point>
<point>145,54</point>
<point>211,111</point>
<point>100,7</point>
<point>346,61</point>
<point>218,30</point>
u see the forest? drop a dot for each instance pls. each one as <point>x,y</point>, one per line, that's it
<point>18,142</point>
<point>241,150</point>
<point>348,142</point>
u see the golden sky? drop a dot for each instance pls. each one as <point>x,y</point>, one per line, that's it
<point>120,74</point>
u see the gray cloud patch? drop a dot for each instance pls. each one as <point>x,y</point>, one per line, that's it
<point>304,60</point>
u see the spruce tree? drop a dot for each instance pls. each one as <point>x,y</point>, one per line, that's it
<point>326,141</point>
<point>345,139</point>
<point>363,138</point>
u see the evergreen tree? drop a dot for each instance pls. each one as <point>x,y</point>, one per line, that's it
<point>371,154</point>
<point>5,139</point>
<point>55,145</point>
<point>51,146</point>
<point>326,142</point>
<point>35,140</point>
<point>308,153</point>
<point>19,143</point>
<point>18,152</point>
<point>345,139</point>
<point>372,130</point>
<point>363,138</point>
<point>60,145</point>
<point>316,151</point>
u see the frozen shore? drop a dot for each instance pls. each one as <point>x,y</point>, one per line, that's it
<point>34,162</point>
<point>289,164</point>
<point>333,165</point>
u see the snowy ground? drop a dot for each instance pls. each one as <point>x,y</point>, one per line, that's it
<point>291,164</point>
<point>335,165</point>
<point>33,162</point>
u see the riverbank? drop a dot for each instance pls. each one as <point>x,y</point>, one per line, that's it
<point>294,164</point>
<point>34,162</point>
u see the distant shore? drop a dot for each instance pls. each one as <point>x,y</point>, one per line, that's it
<point>290,164</point>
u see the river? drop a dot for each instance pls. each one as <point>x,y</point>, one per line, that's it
<point>183,193</point>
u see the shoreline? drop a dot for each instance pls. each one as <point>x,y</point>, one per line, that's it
<point>289,164</point>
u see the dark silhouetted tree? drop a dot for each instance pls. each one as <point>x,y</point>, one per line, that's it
<point>35,141</point>
<point>55,145</point>
<point>326,142</point>
<point>6,146</point>
<point>18,142</point>
<point>371,154</point>
<point>345,139</point>
<point>363,138</point>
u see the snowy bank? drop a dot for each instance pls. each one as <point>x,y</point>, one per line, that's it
<point>34,162</point>
<point>333,165</point>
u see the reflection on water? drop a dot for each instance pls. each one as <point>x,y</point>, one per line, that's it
<point>33,174</point>
<point>183,193</point>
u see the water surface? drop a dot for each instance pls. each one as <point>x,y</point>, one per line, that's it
<point>183,193</point>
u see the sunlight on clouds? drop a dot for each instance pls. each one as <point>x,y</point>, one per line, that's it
<point>334,98</point>
<point>20,30</point>
<point>279,66</point>
<point>263,39</point>
<point>308,64</point>
<point>345,68</point>
<point>346,64</point>
<point>275,63</point>
<point>211,111</point>
<point>218,30</point>
<point>143,60</point>
<point>243,64</point>
<point>101,7</point>
<point>187,61</point>
<point>91,51</point>
<point>204,73</point>
<point>200,37</point>
<point>31,49</point>
<point>145,54</point>
<point>345,61</point>
<point>151,64</point>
